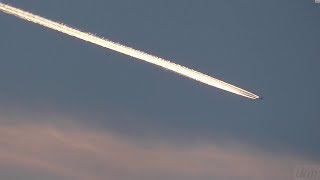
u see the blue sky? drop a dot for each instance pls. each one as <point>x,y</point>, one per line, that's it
<point>271,48</point>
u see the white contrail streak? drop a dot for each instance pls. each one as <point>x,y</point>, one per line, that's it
<point>192,74</point>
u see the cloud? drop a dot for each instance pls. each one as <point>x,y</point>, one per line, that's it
<point>75,152</point>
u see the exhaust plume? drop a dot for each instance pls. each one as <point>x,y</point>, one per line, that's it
<point>192,74</point>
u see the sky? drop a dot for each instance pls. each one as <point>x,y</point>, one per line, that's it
<point>72,110</point>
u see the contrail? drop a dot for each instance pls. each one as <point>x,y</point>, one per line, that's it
<point>192,74</point>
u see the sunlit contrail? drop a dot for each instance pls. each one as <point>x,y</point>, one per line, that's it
<point>192,74</point>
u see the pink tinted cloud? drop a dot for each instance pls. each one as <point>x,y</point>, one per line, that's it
<point>80,153</point>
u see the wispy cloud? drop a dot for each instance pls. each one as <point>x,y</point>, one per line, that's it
<point>76,152</point>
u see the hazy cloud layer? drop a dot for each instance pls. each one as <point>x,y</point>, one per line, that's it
<point>63,151</point>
